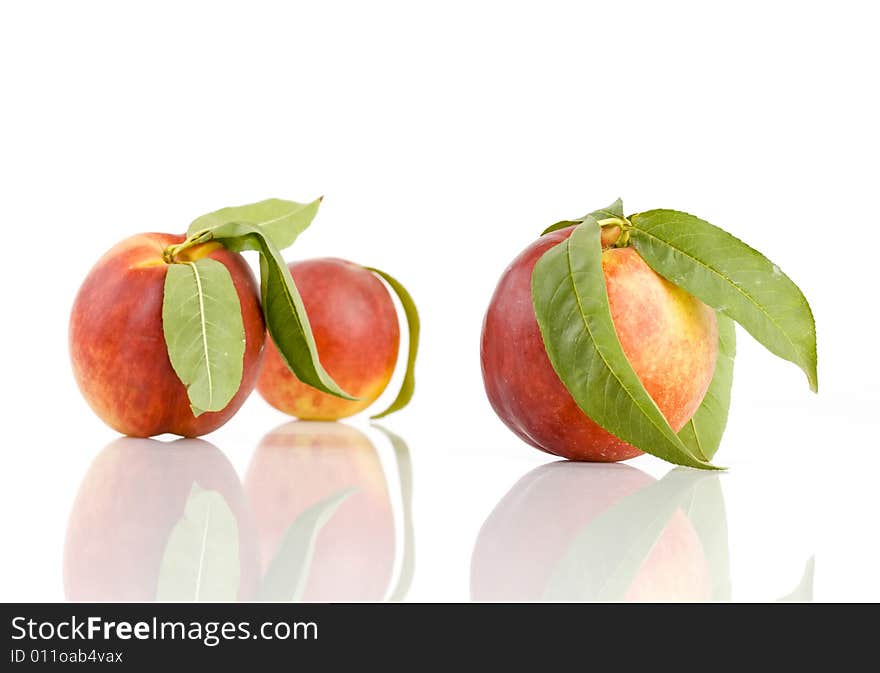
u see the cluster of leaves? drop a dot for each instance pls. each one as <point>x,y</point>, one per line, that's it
<point>201,313</point>
<point>571,306</point>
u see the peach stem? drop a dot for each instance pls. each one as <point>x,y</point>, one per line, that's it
<point>172,251</point>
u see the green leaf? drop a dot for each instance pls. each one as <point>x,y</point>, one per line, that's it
<point>615,210</point>
<point>204,332</point>
<point>733,278</point>
<point>407,388</point>
<point>285,315</point>
<point>564,224</point>
<point>279,220</point>
<point>702,434</point>
<point>571,306</point>
<point>201,557</point>
<point>288,573</point>
<point>605,557</point>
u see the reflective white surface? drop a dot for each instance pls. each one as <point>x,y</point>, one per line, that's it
<point>313,520</point>
<point>334,512</point>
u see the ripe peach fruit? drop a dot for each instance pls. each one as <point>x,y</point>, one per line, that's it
<point>117,345</point>
<point>669,337</point>
<point>356,333</point>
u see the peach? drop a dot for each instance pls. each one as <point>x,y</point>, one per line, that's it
<point>357,336</point>
<point>117,345</point>
<point>669,337</point>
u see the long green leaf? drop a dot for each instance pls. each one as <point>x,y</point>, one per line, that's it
<point>279,220</point>
<point>407,387</point>
<point>204,332</point>
<point>571,306</point>
<point>286,318</point>
<point>702,434</point>
<point>733,278</point>
<point>614,210</point>
<point>201,557</point>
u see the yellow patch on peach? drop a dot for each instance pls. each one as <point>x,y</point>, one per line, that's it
<point>311,405</point>
<point>662,330</point>
<point>198,251</point>
<point>138,244</point>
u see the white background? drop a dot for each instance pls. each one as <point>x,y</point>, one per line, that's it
<point>444,137</point>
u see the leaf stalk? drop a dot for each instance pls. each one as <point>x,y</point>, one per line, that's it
<point>170,254</point>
